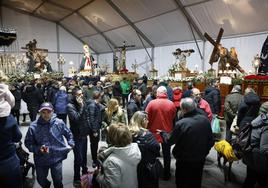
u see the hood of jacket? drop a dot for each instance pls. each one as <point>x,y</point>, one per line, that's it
<point>260,120</point>
<point>3,89</point>
<point>130,153</point>
<point>251,99</point>
<point>210,89</point>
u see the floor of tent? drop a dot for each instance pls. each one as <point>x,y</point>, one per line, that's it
<point>212,175</point>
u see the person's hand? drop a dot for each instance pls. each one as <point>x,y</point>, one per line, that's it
<point>95,134</point>
<point>80,101</point>
<point>44,149</point>
<point>158,131</point>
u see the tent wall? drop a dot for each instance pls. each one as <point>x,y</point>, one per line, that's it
<point>45,32</point>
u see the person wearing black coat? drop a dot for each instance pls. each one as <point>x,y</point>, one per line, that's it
<point>148,169</point>
<point>257,159</point>
<point>117,91</point>
<point>95,110</point>
<point>193,139</point>
<point>15,111</point>
<point>213,97</point>
<point>249,108</point>
<point>79,125</point>
<point>134,104</point>
<point>10,172</point>
<point>33,99</point>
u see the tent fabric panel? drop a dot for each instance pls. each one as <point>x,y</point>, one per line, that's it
<point>98,43</point>
<point>29,5</point>
<point>167,28</point>
<point>70,3</point>
<point>190,2</point>
<point>234,16</point>
<point>118,36</point>
<point>52,12</point>
<point>102,15</point>
<point>137,10</point>
<point>78,26</point>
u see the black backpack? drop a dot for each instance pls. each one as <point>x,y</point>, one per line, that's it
<point>241,144</point>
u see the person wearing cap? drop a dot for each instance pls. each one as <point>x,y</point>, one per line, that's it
<point>45,138</point>
<point>231,104</point>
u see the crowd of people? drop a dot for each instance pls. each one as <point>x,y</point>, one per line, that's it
<point>135,124</point>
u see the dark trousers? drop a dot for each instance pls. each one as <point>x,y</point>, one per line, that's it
<point>253,177</point>
<point>56,174</point>
<point>229,134</point>
<point>80,157</point>
<point>10,174</point>
<point>63,117</point>
<point>16,114</point>
<point>124,99</point>
<point>33,114</point>
<point>189,174</point>
<point>94,144</point>
<point>167,158</point>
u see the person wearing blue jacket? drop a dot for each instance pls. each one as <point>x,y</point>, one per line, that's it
<point>45,138</point>
<point>60,103</point>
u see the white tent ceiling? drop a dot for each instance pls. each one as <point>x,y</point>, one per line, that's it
<point>105,24</point>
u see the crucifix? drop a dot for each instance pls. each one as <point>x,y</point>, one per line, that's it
<point>226,57</point>
<point>122,63</point>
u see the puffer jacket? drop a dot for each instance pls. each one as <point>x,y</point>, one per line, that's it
<point>248,109</point>
<point>257,159</point>
<point>7,100</point>
<point>78,117</point>
<point>61,102</point>
<point>213,97</point>
<point>120,167</point>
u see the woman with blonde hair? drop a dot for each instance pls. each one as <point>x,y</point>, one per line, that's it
<point>113,113</point>
<point>120,160</point>
<point>149,167</point>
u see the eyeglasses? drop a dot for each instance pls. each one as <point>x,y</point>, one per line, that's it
<point>138,94</point>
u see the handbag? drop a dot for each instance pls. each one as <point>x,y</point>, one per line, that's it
<point>154,169</point>
<point>89,180</point>
<point>234,128</point>
<point>216,126</point>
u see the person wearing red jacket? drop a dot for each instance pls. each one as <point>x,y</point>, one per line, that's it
<point>201,103</point>
<point>161,113</point>
<point>177,95</point>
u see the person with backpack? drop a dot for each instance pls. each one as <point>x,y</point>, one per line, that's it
<point>248,108</point>
<point>60,103</point>
<point>257,158</point>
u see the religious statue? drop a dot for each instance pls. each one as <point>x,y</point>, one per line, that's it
<point>121,66</point>
<point>88,63</point>
<point>228,58</point>
<point>263,69</point>
<point>181,56</point>
<point>37,58</point>
<point>220,52</point>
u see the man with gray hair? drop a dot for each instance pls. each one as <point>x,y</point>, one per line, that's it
<point>193,139</point>
<point>161,113</point>
<point>231,104</point>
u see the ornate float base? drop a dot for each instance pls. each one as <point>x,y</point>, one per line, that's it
<point>118,77</point>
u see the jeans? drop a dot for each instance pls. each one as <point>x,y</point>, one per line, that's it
<point>16,113</point>
<point>80,157</point>
<point>124,99</point>
<point>167,158</point>
<point>33,114</point>
<point>56,174</point>
<point>94,144</point>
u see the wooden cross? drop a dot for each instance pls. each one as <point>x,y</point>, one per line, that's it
<point>214,56</point>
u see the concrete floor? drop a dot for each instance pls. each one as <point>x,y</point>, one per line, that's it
<point>212,176</point>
